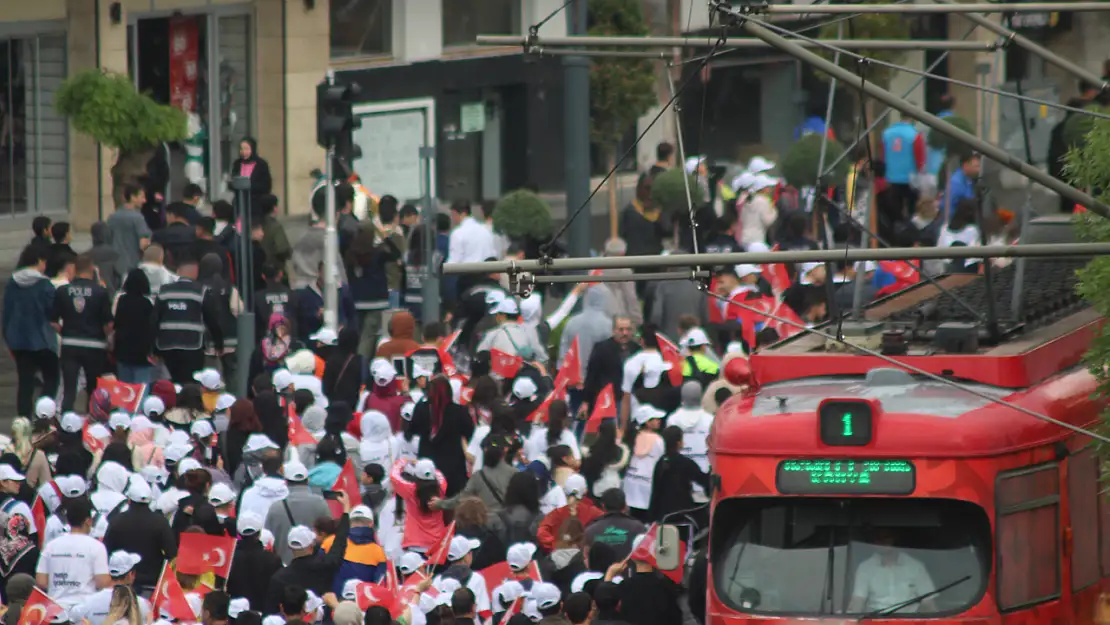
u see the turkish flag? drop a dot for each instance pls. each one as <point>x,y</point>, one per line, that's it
<point>605,407</point>
<point>497,574</point>
<point>539,415</point>
<point>39,609</point>
<point>390,579</point>
<point>753,314</point>
<point>368,595</point>
<point>776,275</point>
<point>785,314</point>
<point>38,515</point>
<point>645,552</point>
<point>444,349</point>
<point>466,394</point>
<point>298,435</point>
<point>570,370</point>
<point>169,592</point>
<point>514,609</point>
<point>673,355</point>
<point>504,365</point>
<point>437,554</point>
<point>127,397</point>
<point>92,443</point>
<point>198,554</point>
<point>348,483</point>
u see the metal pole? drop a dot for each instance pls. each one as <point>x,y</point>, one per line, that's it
<point>676,109</point>
<point>1026,43</point>
<point>837,9</point>
<point>661,275</point>
<point>430,307</point>
<point>829,111</point>
<point>1017,296</point>
<point>865,241</point>
<point>331,249</point>
<point>990,151</point>
<point>673,261</point>
<point>244,323</point>
<point>576,135</point>
<point>544,43</point>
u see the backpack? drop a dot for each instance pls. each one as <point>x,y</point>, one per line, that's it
<point>704,378</point>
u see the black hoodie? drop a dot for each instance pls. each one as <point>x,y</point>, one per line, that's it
<point>252,566</point>
<point>343,369</point>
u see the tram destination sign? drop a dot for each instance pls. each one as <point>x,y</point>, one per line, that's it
<point>819,476</point>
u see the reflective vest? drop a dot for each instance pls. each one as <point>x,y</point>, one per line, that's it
<point>180,310</point>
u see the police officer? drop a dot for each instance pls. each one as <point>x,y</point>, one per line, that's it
<point>183,311</point>
<point>275,298</point>
<point>83,316</point>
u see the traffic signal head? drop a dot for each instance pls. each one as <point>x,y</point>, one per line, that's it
<point>334,113</point>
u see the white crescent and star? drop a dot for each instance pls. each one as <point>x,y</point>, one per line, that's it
<point>27,620</point>
<point>218,551</point>
<point>120,390</point>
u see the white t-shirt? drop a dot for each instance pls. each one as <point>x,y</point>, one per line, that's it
<point>95,608</point>
<point>535,448</point>
<point>969,236</point>
<point>649,363</point>
<point>641,469</point>
<point>71,563</point>
<point>887,585</point>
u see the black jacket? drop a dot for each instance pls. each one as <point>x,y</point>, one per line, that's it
<point>615,529</point>
<point>252,566</point>
<point>315,572</point>
<point>605,366</point>
<point>445,447</point>
<point>177,239</point>
<point>195,510</point>
<point>670,485</point>
<point>135,329</point>
<point>650,599</point>
<point>142,531</point>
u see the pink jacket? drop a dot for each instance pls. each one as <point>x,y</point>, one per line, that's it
<point>422,529</point>
<point>144,451</point>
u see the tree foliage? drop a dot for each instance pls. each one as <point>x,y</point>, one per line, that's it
<point>953,147</point>
<point>668,190</point>
<point>799,166</point>
<point>1087,166</point>
<point>1077,127</point>
<point>869,26</point>
<point>522,214</point>
<point>621,90</point>
<point>106,107</point>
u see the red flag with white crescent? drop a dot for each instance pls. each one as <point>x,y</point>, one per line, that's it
<point>198,554</point>
<point>125,396</point>
<point>605,407</point>
<point>92,443</point>
<point>368,595</point>
<point>539,415</point>
<point>504,365</point>
<point>39,609</point>
<point>673,355</point>
<point>348,483</point>
<point>570,370</point>
<point>437,554</point>
<point>497,574</point>
<point>169,592</point>
<point>298,434</point>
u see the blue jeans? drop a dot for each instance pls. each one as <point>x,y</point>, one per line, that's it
<point>394,300</point>
<point>134,374</point>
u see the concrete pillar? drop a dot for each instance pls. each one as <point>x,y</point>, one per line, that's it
<point>269,80</point>
<point>307,56</point>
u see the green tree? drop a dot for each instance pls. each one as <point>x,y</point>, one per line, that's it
<point>522,214</point>
<point>799,166</point>
<point>106,107</point>
<point>621,90</point>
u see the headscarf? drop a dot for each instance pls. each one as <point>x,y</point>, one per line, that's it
<point>274,423</point>
<point>210,271</point>
<point>135,298</point>
<point>275,348</point>
<point>254,149</point>
<point>100,405</point>
<point>165,390</point>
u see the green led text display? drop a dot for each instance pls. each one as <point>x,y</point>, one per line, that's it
<point>845,423</point>
<point>845,476</point>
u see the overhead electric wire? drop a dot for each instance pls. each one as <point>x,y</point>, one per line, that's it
<point>546,249</point>
<point>917,370</point>
<point>533,29</point>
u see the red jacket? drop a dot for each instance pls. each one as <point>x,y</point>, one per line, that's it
<point>549,527</point>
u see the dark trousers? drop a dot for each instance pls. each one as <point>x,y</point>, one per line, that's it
<point>74,359</point>
<point>182,363</point>
<point>28,363</point>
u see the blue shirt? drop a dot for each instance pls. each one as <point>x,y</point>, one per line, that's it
<point>960,187</point>
<point>898,146</point>
<point>811,125</point>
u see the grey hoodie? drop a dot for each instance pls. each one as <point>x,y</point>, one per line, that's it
<point>591,326</point>
<point>302,506</point>
<point>308,253</point>
<point>673,299</point>
<point>104,255</point>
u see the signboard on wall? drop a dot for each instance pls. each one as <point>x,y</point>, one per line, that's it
<point>391,136</point>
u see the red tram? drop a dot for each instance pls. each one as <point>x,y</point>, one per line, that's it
<point>852,490</point>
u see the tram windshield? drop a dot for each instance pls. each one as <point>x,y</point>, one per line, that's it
<point>851,556</point>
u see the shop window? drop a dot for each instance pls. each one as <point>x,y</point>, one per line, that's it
<point>1028,529</point>
<point>464,20</point>
<point>1084,518</point>
<point>361,28</point>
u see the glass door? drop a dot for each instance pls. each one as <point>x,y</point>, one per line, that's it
<point>231,94</point>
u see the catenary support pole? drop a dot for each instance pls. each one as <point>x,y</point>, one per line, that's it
<point>429,308</point>
<point>1017,297</point>
<point>244,323</point>
<point>676,109</point>
<point>674,261</point>
<point>549,43</point>
<point>757,29</point>
<point>331,250</point>
<point>576,135</point>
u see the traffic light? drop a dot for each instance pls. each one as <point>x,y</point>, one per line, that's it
<point>335,119</point>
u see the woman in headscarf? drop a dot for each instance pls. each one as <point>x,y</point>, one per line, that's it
<point>242,424</point>
<point>444,428</point>
<point>273,419</point>
<point>17,584</point>
<point>276,343</point>
<point>385,394</point>
<point>111,481</point>
<point>343,370</point>
<point>250,165</point>
<point>144,450</point>
<point>134,329</point>
<point>376,446</point>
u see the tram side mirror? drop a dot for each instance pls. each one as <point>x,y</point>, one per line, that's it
<point>667,551</point>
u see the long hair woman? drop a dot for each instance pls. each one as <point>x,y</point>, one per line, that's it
<point>134,329</point>
<point>124,607</point>
<point>418,484</point>
<point>32,461</point>
<point>604,460</point>
<point>554,432</point>
<point>444,428</point>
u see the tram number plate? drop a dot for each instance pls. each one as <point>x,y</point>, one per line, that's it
<point>845,477</point>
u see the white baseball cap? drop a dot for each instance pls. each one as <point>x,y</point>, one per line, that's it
<point>223,402</point>
<point>410,562</point>
<point>507,593</point>
<point>734,347</point>
<point>530,609</point>
<point>693,162</point>
<point>141,424</point>
<point>695,338</point>
<point>407,409</point>
<point>202,429</point>
<point>46,408</point>
<point>176,452</point>
<point>153,405</point>
<point>8,473</point>
<point>71,422</point>
<point>460,546</point>
<point>578,584</point>
<point>743,180</point>
<point>495,296</point>
<point>747,269</point>
<point>804,270</point>
<point>180,437</point>
<point>188,464</point>
<point>506,306</point>
<point>423,469</point>
<point>325,335</point>
<point>295,471</point>
<point>282,379</point>
<point>763,181</point>
<point>546,595</point>
<point>382,371</point>
<point>210,379</point>
<point>362,512</point>
<point>237,606</point>
<point>446,585</point>
<point>154,475</point>
<point>758,165</point>
<point>72,485</point>
<point>302,537</point>
<point>519,555</point>
<point>139,491</point>
<point>249,523</point>
<point>647,412</point>
<point>575,486</point>
<point>525,388</point>
<point>220,494</point>
<point>258,442</point>
<point>120,563</point>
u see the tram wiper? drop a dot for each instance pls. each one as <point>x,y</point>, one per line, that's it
<point>905,604</point>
